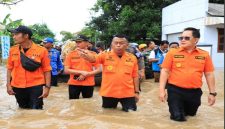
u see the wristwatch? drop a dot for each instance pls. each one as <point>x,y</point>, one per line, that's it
<point>213,94</point>
<point>47,86</point>
<point>137,92</point>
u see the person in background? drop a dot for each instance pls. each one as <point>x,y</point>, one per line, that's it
<point>182,72</point>
<point>91,47</point>
<point>148,65</point>
<point>28,82</point>
<point>155,56</point>
<point>56,63</point>
<point>141,66</point>
<point>100,48</point>
<point>173,45</point>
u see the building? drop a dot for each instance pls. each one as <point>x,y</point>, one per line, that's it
<point>205,16</point>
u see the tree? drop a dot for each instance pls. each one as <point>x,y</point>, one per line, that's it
<point>41,31</point>
<point>90,32</point>
<point>66,35</point>
<point>138,19</point>
<point>9,2</point>
<point>9,24</point>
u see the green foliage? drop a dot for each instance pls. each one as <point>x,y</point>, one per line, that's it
<point>139,19</point>
<point>90,32</point>
<point>66,35</point>
<point>8,23</point>
<point>41,31</point>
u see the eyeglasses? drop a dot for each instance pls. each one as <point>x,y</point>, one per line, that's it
<point>184,38</point>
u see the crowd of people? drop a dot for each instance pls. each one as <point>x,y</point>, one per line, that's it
<point>179,67</point>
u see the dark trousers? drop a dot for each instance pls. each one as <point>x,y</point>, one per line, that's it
<point>127,103</point>
<point>183,102</point>
<point>27,98</point>
<point>156,76</point>
<point>74,91</point>
<point>54,80</point>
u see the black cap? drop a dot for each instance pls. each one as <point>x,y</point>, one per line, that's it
<point>81,38</point>
<point>22,29</point>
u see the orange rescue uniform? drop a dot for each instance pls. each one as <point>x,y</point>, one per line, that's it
<point>22,78</point>
<point>75,62</point>
<point>186,69</point>
<point>118,74</point>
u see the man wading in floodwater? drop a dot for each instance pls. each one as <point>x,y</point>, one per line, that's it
<point>120,81</point>
<point>184,68</point>
<point>28,70</point>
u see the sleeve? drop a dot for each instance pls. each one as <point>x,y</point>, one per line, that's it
<point>208,64</point>
<point>135,69</point>
<point>168,61</point>
<point>67,61</point>
<point>152,55</point>
<point>100,58</point>
<point>10,62</point>
<point>59,62</point>
<point>45,62</point>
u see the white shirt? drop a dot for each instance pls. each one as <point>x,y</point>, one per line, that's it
<point>152,54</point>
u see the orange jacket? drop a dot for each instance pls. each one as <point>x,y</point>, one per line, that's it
<point>186,69</point>
<point>74,61</point>
<point>22,78</point>
<point>118,74</point>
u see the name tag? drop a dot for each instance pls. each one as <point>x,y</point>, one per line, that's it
<point>200,57</point>
<point>178,56</point>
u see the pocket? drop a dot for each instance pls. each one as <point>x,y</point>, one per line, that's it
<point>128,68</point>
<point>199,64</point>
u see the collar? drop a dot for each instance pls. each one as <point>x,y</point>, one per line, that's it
<point>112,53</point>
<point>195,49</point>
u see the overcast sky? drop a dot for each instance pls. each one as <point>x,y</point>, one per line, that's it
<point>68,15</point>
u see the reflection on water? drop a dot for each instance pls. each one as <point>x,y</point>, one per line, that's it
<point>61,113</point>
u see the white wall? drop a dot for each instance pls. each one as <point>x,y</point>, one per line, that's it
<point>191,13</point>
<point>182,14</point>
<point>211,37</point>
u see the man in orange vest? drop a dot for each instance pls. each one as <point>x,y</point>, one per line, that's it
<point>183,68</point>
<point>81,71</point>
<point>28,70</point>
<point>120,81</point>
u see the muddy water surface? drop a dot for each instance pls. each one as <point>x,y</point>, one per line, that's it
<point>61,113</point>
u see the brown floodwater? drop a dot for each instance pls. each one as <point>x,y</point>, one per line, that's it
<point>61,113</point>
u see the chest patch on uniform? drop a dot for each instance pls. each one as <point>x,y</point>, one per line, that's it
<point>35,55</point>
<point>129,60</point>
<point>75,57</point>
<point>178,56</point>
<point>110,58</point>
<point>110,67</point>
<point>200,57</point>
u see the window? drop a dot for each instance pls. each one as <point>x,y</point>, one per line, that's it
<point>221,40</point>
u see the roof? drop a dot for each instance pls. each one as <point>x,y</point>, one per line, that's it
<point>216,10</point>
